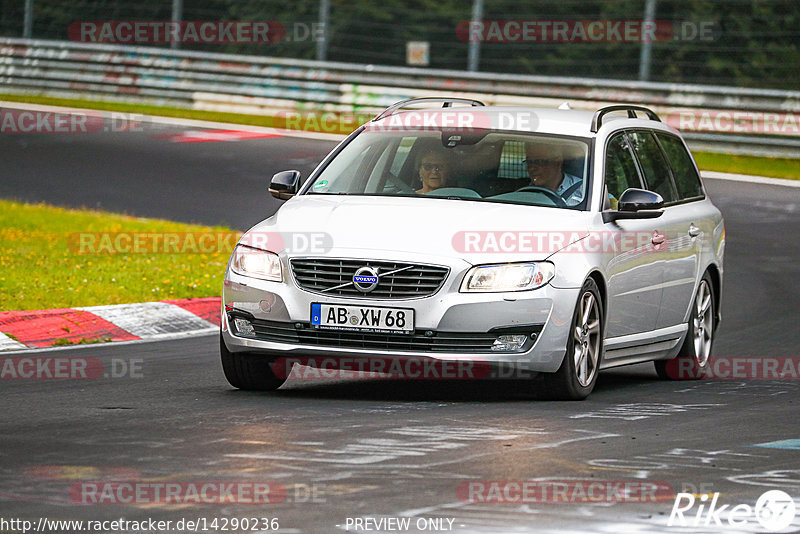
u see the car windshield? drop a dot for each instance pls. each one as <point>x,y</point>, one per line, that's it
<point>477,165</point>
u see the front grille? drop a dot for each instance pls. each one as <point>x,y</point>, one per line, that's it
<point>304,334</point>
<point>320,275</point>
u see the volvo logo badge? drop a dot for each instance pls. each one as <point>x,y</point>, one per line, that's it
<point>366,279</point>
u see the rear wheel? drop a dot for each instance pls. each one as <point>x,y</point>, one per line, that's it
<point>577,376</point>
<point>692,360</point>
<point>250,372</point>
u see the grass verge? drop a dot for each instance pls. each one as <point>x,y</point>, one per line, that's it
<point>58,258</point>
<point>63,342</point>
<point>787,168</point>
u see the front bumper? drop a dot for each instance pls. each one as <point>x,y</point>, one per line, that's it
<point>280,313</point>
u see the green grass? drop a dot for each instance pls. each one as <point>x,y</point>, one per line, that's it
<point>44,266</point>
<point>62,341</point>
<point>758,166</point>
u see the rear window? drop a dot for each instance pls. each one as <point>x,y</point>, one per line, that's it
<point>686,179</point>
<point>512,160</point>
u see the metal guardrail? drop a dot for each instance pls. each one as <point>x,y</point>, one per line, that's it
<point>267,85</point>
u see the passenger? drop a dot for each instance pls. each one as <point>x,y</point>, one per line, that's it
<point>434,170</point>
<point>545,164</point>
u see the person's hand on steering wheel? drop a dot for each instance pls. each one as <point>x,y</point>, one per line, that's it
<point>552,195</point>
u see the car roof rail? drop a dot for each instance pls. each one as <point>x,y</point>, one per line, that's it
<point>597,120</point>
<point>447,102</point>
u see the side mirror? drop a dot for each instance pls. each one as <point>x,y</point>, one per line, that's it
<point>636,204</point>
<point>285,184</point>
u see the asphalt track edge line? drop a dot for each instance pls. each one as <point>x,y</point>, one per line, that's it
<point>714,175</point>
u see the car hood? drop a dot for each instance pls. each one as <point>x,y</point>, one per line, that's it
<point>410,228</point>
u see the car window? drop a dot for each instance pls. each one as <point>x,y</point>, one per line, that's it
<point>620,172</point>
<point>486,165</point>
<point>401,155</point>
<point>378,175</point>
<point>654,166</point>
<point>687,181</point>
<point>339,167</point>
<point>512,160</point>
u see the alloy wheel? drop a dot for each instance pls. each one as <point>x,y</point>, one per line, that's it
<point>586,340</point>
<point>703,323</point>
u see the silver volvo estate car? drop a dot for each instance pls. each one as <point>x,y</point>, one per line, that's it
<point>441,240</point>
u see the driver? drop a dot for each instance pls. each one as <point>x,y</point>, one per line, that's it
<point>545,164</point>
<point>434,170</point>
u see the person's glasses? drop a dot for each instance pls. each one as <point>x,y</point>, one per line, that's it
<point>540,162</point>
<point>428,167</point>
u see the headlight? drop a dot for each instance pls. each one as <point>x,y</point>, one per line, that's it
<point>256,263</point>
<point>508,277</point>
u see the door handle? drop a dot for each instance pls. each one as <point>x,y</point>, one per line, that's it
<point>694,231</point>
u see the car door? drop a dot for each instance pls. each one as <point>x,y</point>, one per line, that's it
<point>680,251</point>
<point>689,224</point>
<point>634,271</point>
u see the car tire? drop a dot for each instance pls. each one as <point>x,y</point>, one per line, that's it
<point>692,360</point>
<point>577,376</point>
<point>249,372</point>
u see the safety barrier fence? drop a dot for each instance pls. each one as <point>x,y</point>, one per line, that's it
<point>743,120</point>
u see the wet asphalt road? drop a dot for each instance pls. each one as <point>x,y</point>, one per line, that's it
<point>355,449</point>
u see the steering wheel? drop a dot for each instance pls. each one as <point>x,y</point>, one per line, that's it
<point>555,197</point>
<point>395,185</point>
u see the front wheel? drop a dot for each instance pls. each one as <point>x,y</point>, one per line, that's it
<point>577,376</point>
<point>249,372</point>
<point>692,360</point>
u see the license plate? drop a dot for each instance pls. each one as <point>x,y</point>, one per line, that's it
<point>362,318</point>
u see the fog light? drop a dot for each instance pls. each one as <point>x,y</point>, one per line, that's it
<point>509,343</point>
<point>243,327</point>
